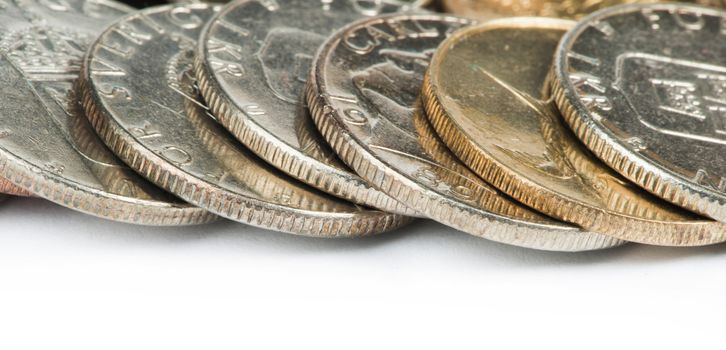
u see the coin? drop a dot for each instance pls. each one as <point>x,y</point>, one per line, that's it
<point>392,145</point>
<point>548,8</point>
<point>251,64</point>
<point>7,187</point>
<point>486,94</point>
<point>417,3</point>
<point>644,87</point>
<point>184,150</point>
<point>47,146</point>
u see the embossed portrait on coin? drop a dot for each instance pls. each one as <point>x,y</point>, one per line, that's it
<point>685,99</point>
<point>286,56</point>
<point>379,84</point>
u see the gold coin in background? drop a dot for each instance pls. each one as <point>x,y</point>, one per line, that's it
<point>487,9</point>
<point>486,93</point>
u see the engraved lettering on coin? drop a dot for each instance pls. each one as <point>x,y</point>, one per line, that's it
<point>169,135</point>
<point>487,94</point>
<point>397,150</point>
<point>258,53</point>
<point>655,109</point>
<point>53,150</point>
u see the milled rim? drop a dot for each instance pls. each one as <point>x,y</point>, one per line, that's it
<point>476,222</point>
<point>346,185</point>
<point>659,181</point>
<point>690,233</point>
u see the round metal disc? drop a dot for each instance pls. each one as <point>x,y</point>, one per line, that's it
<point>487,95</point>
<point>47,146</point>
<point>182,149</point>
<point>487,9</point>
<point>251,64</point>
<point>392,145</point>
<point>644,87</point>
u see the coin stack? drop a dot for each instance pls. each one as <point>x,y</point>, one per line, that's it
<point>347,118</point>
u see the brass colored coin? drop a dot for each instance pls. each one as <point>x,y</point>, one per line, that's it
<point>393,146</point>
<point>646,92</point>
<point>7,187</point>
<point>182,149</point>
<point>251,64</point>
<point>546,8</point>
<point>486,93</point>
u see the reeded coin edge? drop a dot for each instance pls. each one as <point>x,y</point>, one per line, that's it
<point>487,225</point>
<point>289,160</point>
<point>280,155</point>
<point>93,202</point>
<point>659,181</point>
<point>6,187</point>
<point>652,232</point>
<point>246,210</point>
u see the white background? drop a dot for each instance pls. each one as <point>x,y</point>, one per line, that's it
<point>70,281</point>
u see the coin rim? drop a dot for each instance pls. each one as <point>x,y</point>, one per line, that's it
<point>337,182</point>
<point>73,195</point>
<point>7,187</point>
<point>477,222</point>
<point>248,210</point>
<point>653,232</point>
<point>656,179</point>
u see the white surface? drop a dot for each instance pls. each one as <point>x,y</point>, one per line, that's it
<point>68,281</point>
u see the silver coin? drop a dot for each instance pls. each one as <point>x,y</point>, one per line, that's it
<point>47,146</point>
<point>644,87</point>
<point>251,64</point>
<point>391,143</point>
<point>181,148</point>
<point>7,187</point>
<point>417,3</point>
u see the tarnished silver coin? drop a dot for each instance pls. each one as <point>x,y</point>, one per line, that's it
<point>644,87</point>
<point>7,187</point>
<point>418,3</point>
<point>391,144</point>
<point>47,146</point>
<point>153,122</point>
<point>252,61</point>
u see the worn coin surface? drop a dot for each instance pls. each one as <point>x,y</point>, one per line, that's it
<point>7,187</point>
<point>391,144</point>
<point>418,3</point>
<point>644,87</point>
<point>47,146</point>
<point>486,93</point>
<point>181,148</point>
<point>251,64</point>
<point>547,8</point>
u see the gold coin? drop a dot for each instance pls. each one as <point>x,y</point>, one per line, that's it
<point>486,9</point>
<point>486,93</point>
<point>7,187</point>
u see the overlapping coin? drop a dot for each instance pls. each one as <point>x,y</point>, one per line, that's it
<point>363,96</point>
<point>252,62</point>
<point>489,9</point>
<point>46,144</point>
<point>644,87</point>
<point>181,148</point>
<point>505,130</point>
<point>487,95</point>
